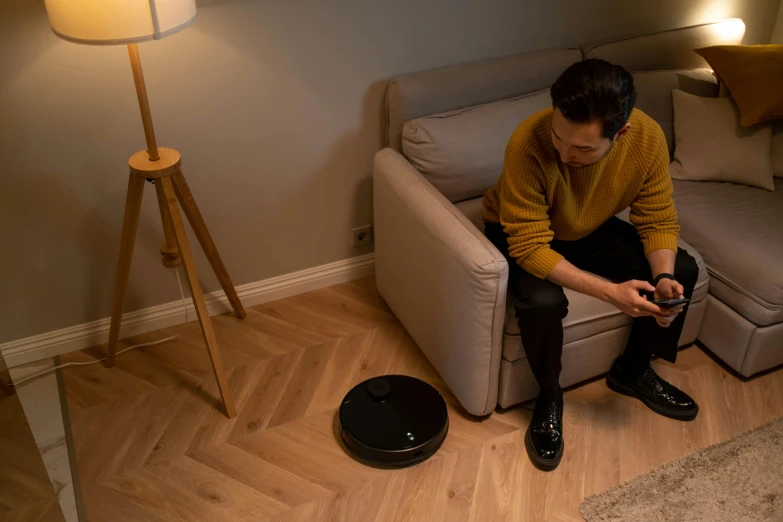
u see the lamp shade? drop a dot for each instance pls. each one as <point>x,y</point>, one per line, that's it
<point>107,22</point>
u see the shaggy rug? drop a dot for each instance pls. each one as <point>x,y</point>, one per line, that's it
<point>738,480</point>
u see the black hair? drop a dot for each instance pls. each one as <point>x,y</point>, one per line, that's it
<point>595,90</point>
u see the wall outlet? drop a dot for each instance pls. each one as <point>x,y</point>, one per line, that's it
<point>363,236</point>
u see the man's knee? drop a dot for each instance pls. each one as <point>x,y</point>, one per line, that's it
<point>543,304</point>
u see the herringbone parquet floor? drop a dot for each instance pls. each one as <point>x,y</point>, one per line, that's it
<point>152,444</point>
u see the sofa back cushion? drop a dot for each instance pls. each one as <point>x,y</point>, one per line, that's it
<point>461,152</point>
<point>449,88</point>
<point>654,94</point>
<point>668,49</point>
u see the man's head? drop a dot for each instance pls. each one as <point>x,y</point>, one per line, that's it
<point>592,102</point>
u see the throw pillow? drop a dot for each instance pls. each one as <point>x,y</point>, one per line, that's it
<point>777,139</point>
<point>654,94</point>
<point>461,152</point>
<point>711,145</point>
<point>754,76</point>
<point>777,149</point>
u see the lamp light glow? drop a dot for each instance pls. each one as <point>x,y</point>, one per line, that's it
<point>111,22</point>
<point>732,30</point>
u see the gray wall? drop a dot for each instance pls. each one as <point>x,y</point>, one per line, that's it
<point>276,107</point>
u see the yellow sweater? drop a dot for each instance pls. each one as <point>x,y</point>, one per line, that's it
<point>537,198</point>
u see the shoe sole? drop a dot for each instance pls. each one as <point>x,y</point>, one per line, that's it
<point>617,386</point>
<point>538,462</point>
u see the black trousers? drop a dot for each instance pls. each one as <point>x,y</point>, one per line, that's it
<point>613,251</point>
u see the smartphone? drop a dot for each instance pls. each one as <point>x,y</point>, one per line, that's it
<point>670,303</point>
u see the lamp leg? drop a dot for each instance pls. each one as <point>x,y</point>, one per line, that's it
<point>129,225</point>
<point>168,250</point>
<point>193,214</point>
<point>198,297</point>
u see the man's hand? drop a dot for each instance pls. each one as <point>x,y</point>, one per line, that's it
<point>625,296</point>
<point>668,289</point>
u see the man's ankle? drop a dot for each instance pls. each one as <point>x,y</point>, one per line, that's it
<point>632,367</point>
<point>551,397</point>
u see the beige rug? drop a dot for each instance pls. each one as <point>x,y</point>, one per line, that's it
<point>738,480</point>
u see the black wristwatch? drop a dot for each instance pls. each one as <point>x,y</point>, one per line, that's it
<point>662,276</point>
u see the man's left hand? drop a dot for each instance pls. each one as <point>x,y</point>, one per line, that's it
<point>668,289</point>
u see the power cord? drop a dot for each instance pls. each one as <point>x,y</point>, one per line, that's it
<point>182,294</point>
<point>29,378</point>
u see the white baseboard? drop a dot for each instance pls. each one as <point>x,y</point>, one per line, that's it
<point>85,335</point>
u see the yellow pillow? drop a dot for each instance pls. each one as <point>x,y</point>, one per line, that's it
<point>753,75</point>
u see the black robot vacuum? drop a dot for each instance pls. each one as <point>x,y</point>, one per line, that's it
<point>394,420</point>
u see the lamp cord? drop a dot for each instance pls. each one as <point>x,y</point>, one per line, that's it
<point>22,382</point>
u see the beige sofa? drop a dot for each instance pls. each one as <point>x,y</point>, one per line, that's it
<point>448,284</point>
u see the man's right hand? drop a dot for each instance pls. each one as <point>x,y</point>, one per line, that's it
<point>625,296</point>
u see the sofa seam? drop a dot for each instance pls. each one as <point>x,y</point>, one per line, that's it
<point>585,49</point>
<point>456,112</point>
<point>746,293</point>
<point>750,341</point>
<point>493,338</point>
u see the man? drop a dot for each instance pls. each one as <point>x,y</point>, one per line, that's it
<point>567,171</point>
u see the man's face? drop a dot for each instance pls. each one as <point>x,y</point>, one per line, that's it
<point>580,144</point>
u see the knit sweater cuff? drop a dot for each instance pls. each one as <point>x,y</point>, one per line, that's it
<point>659,241</point>
<point>540,262</point>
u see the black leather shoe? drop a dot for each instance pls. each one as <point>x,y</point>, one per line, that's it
<point>544,437</point>
<point>660,396</point>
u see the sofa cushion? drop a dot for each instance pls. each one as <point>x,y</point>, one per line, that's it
<point>439,90</point>
<point>472,208</point>
<point>461,152</point>
<point>587,316</point>
<point>737,229</point>
<point>654,94</point>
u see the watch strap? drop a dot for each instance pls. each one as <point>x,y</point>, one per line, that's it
<point>663,276</point>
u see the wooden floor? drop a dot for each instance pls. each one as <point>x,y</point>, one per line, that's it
<point>152,444</point>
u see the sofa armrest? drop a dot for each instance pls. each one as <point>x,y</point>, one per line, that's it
<point>442,278</point>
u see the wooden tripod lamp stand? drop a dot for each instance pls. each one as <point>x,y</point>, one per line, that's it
<point>107,22</point>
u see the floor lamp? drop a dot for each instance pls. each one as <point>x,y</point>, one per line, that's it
<point>113,22</point>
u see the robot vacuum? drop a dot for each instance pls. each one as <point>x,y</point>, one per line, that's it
<point>394,420</point>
